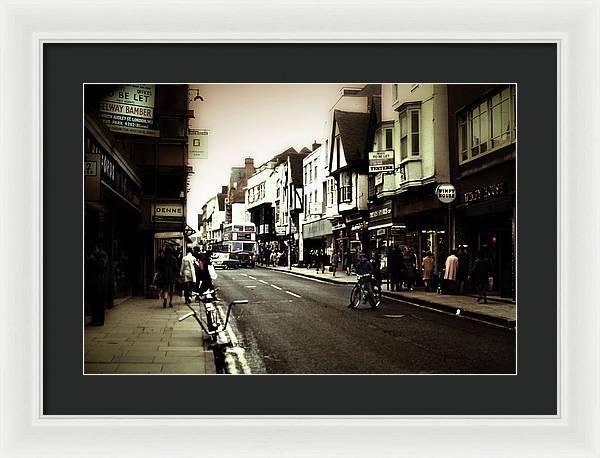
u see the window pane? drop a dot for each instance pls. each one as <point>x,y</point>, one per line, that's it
<point>415,144</point>
<point>483,125</point>
<point>475,111</point>
<point>475,132</point>
<point>414,122</point>
<point>505,116</point>
<point>496,121</point>
<point>388,139</point>
<point>403,151</point>
<point>403,125</point>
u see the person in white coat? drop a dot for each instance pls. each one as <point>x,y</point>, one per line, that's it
<point>188,274</point>
<point>451,271</point>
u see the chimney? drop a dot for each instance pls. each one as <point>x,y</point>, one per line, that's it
<point>249,163</point>
<point>224,189</point>
<point>315,145</point>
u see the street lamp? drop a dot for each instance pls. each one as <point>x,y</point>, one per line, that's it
<point>196,97</point>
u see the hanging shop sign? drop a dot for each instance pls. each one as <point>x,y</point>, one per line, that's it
<point>198,143</point>
<point>129,109</point>
<point>446,193</point>
<point>378,179</point>
<point>92,177</point>
<point>280,230</point>
<point>485,192</point>
<point>381,161</point>
<point>168,212</point>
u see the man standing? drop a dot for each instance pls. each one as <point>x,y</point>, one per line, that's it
<point>98,265</point>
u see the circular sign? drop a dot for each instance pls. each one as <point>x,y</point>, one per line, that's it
<point>446,193</point>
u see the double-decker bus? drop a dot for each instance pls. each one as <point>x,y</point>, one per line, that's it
<point>240,239</point>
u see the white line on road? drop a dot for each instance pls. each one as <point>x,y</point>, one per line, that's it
<point>250,286</point>
<point>265,282</point>
<point>250,276</point>
<point>313,279</point>
<point>292,294</point>
<point>276,287</point>
<point>245,275</point>
<point>234,350</point>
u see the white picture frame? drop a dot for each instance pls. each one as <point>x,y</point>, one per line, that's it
<point>27,25</point>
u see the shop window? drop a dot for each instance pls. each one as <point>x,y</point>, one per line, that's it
<point>488,125</point>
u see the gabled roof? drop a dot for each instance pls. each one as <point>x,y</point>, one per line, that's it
<point>354,131</point>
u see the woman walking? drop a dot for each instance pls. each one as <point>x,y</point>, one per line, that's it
<point>427,265</point>
<point>166,269</point>
<point>188,274</point>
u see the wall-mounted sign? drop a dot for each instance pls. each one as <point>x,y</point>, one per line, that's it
<point>198,143</point>
<point>446,193</point>
<point>381,161</point>
<point>378,179</point>
<point>315,208</point>
<point>280,230</point>
<point>168,212</point>
<point>90,168</point>
<point>485,192</point>
<point>381,231</point>
<point>381,212</point>
<point>358,227</point>
<point>129,109</point>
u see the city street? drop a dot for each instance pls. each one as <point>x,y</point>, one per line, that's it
<point>295,325</point>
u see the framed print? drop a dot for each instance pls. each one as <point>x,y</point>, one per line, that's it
<point>71,83</point>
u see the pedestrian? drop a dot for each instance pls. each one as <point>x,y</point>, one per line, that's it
<point>188,274</point>
<point>166,275</point>
<point>451,271</point>
<point>463,269</point>
<point>335,257</point>
<point>479,276</point>
<point>348,261</point>
<point>206,283</point>
<point>393,269</point>
<point>198,266</point>
<point>409,269</point>
<point>428,267</point>
<point>376,262</point>
<point>97,283</point>
<point>322,260</point>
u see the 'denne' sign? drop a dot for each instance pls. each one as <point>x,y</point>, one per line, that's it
<point>168,212</point>
<point>446,193</point>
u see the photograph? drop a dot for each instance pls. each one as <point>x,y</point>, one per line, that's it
<point>299,229</point>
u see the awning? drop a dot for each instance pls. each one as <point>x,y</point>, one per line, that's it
<point>316,229</point>
<point>380,226</point>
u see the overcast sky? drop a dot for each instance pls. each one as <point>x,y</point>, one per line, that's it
<point>253,120</point>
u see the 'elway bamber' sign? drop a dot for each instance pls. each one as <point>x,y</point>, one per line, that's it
<point>168,212</point>
<point>129,109</point>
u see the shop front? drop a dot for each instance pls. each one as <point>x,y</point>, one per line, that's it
<point>112,212</point>
<point>485,222</point>
<point>420,225</point>
<point>317,235</point>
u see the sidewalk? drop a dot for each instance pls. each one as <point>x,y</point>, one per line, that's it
<point>139,336</point>
<point>500,311</point>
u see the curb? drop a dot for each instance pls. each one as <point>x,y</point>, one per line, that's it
<point>504,322</point>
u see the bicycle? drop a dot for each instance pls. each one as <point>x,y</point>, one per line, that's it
<point>360,293</point>
<point>214,324</point>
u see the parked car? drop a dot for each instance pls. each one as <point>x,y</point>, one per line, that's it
<point>246,259</point>
<point>225,260</point>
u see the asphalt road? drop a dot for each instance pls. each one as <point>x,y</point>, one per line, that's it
<point>295,325</point>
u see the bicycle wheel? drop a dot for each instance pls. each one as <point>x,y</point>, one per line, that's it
<point>355,297</point>
<point>377,296</point>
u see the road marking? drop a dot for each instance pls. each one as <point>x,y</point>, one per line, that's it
<point>250,286</point>
<point>250,276</point>
<point>314,279</point>
<point>276,287</point>
<point>393,316</point>
<point>234,350</point>
<point>292,294</point>
<point>245,275</point>
<point>262,281</point>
